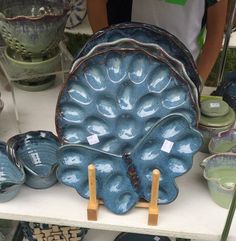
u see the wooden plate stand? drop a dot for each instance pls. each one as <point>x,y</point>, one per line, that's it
<point>93,203</point>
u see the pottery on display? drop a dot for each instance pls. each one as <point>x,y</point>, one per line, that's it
<point>223,142</point>
<point>33,28</point>
<point>36,150</point>
<point>220,173</point>
<point>119,95</point>
<point>122,180</point>
<point>38,67</point>
<point>12,176</point>
<point>216,116</point>
<point>147,33</point>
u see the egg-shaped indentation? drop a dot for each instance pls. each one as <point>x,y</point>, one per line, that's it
<point>115,35</point>
<point>159,79</point>
<point>114,184</point>
<point>177,166</point>
<point>95,77</point>
<point>127,127</point>
<point>126,96</point>
<point>70,176</point>
<point>139,68</point>
<point>174,97</point>
<point>103,166</point>
<point>73,134</point>
<point>73,158</point>
<point>124,202</point>
<point>97,126</point>
<point>150,123</point>
<point>141,36</point>
<point>80,93</point>
<point>72,113</point>
<point>150,150</point>
<point>107,107</point>
<point>111,145</point>
<point>116,67</point>
<point>188,144</point>
<point>148,105</point>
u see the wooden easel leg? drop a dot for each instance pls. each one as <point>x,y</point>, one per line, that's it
<point>92,209</point>
<point>153,206</point>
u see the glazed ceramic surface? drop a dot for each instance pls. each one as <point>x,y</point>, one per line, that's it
<point>77,13</point>
<point>33,28</point>
<point>152,49</point>
<point>139,237</point>
<point>124,179</point>
<point>1,104</point>
<point>223,142</point>
<point>148,34</point>
<point>118,96</point>
<point>214,108</point>
<point>12,176</point>
<point>36,150</point>
<point>220,173</point>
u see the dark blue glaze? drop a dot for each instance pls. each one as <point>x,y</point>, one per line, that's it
<point>148,34</point>
<point>36,150</point>
<point>12,176</point>
<point>122,180</point>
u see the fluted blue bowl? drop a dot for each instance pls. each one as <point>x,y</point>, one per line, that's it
<point>36,150</point>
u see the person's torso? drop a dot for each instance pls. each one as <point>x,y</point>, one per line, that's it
<point>183,18</point>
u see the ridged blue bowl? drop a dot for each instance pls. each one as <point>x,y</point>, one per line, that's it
<point>12,175</point>
<point>36,150</point>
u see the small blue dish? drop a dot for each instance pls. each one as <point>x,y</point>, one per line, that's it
<point>36,150</point>
<point>124,179</point>
<point>12,176</point>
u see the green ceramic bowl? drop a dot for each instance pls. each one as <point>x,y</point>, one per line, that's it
<point>220,173</point>
<point>37,68</point>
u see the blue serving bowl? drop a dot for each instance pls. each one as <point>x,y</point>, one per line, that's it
<point>36,150</point>
<point>12,176</point>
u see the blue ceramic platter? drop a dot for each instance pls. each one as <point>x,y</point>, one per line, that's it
<point>147,34</point>
<point>139,237</point>
<point>12,176</point>
<point>36,150</point>
<point>118,95</point>
<point>122,180</point>
<point>152,49</point>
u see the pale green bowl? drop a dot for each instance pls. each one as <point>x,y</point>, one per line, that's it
<point>220,173</point>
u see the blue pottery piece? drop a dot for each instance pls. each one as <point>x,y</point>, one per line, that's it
<point>122,180</point>
<point>116,96</point>
<point>36,150</point>
<point>139,237</point>
<point>12,176</point>
<point>146,33</point>
<point>152,49</point>
<point>33,28</point>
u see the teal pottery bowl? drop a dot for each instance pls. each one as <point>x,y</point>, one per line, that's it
<point>32,28</point>
<point>223,142</point>
<point>12,176</point>
<point>216,116</point>
<point>220,173</point>
<point>36,150</point>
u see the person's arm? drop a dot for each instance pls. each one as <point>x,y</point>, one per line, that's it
<point>216,18</point>
<point>97,14</point>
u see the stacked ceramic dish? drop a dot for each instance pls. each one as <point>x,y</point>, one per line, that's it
<point>129,106</point>
<point>216,116</point>
<point>32,30</point>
